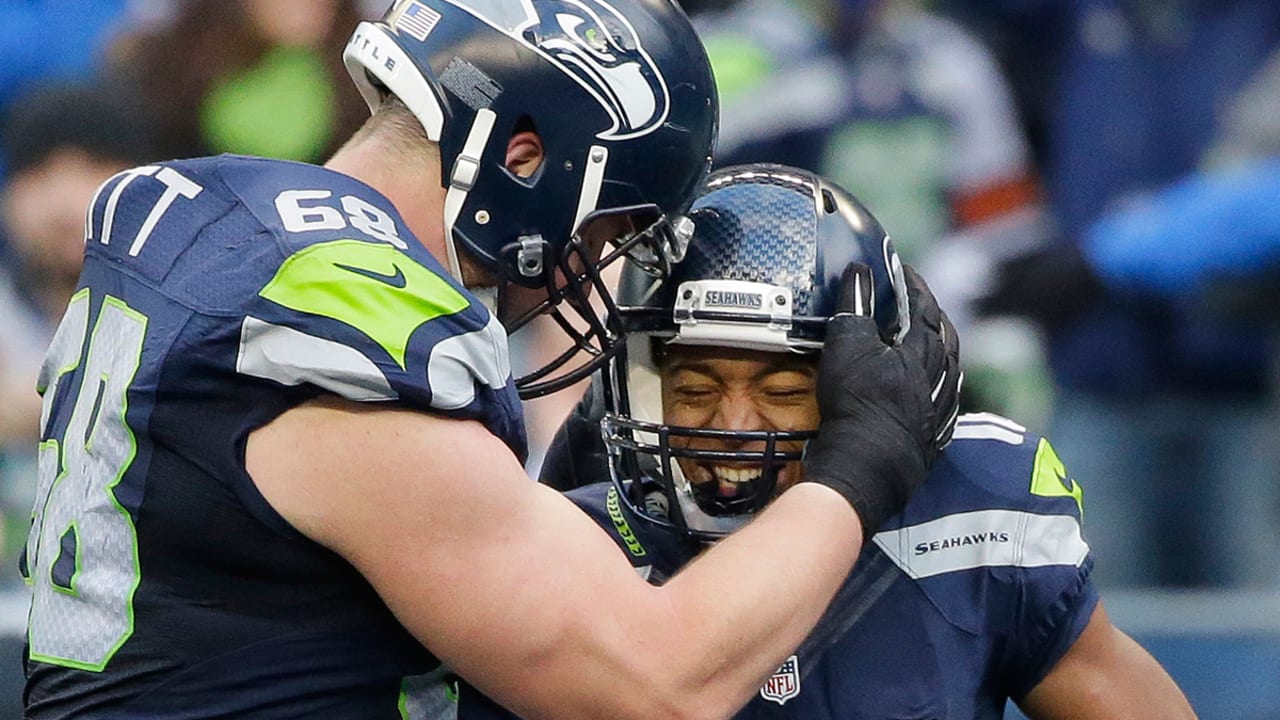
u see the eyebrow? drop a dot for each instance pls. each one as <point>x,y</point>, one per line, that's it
<point>797,366</point>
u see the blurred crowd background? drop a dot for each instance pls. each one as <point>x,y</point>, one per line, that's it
<point>1092,187</point>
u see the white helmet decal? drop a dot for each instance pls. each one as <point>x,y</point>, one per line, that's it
<point>593,43</point>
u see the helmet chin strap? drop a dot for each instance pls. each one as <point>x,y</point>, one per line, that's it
<point>465,170</point>
<point>592,181</point>
<point>696,519</point>
<point>451,251</point>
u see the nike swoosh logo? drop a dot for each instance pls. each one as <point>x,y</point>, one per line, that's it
<point>395,280</point>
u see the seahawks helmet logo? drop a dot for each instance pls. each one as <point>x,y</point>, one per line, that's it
<point>593,43</point>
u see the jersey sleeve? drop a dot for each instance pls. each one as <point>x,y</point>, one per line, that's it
<point>368,322</point>
<point>995,539</point>
<point>278,282</point>
<point>326,288</point>
<point>1053,620</point>
<point>1052,596</point>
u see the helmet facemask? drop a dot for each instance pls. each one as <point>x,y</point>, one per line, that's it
<point>716,477</point>
<point>575,291</point>
<point>663,455</point>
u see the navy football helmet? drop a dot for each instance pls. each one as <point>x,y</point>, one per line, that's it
<point>620,93</point>
<point>761,273</point>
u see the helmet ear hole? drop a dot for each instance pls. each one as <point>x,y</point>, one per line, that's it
<point>524,124</point>
<point>525,153</point>
<point>828,201</point>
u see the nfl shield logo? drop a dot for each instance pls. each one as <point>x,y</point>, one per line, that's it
<point>783,684</point>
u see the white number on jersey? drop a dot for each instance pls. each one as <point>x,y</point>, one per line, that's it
<point>368,219</point>
<point>82,551</point>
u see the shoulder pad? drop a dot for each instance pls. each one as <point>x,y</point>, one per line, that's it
<point>998,497</point>
<point>1019,467</point>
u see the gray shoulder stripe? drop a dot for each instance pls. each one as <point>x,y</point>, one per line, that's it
<point>990,419</point>
<point>291,357</point>
<point>458,362</point>
<point>985,538</point>
<point>987,432</point>
<point>988,426</point>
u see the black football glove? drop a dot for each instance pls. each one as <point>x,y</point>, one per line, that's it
<point>886,409</point>
<point>1050,285</point>
<point>941,361</point>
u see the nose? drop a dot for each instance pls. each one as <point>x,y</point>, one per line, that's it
<point>738,412</point>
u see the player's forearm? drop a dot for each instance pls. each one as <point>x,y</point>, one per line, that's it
<point>751,600</point>
<point>702,645</point>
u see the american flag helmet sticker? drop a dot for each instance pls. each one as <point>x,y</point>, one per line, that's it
<point>783,684</point>
<point>416,20</point>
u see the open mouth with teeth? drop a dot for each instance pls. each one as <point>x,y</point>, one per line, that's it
<point>731,481</point>
<point>733,489</point>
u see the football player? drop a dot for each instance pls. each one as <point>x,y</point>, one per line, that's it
<point>978,592</point>
<point>280,463</point>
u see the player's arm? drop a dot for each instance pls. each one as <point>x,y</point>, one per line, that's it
<point>522,593</point>
<point>1106,675</point>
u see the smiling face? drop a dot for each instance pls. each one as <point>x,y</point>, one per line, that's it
<point>736,390</point>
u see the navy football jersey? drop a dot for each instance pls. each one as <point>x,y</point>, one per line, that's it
<point>963,601</point>
<point>216,294</point>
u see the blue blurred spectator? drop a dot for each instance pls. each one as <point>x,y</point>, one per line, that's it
<point>1164,403</point>
<point>52,39</point>
<point>1146,248</point>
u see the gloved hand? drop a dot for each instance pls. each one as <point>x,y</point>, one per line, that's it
<point>941,361</point>
<point>1050,285</point>
<point>886,410</point>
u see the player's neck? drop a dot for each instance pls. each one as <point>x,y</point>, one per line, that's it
<point>411,184</point>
